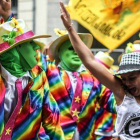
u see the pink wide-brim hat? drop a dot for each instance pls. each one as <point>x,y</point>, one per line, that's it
<point>21,37</point>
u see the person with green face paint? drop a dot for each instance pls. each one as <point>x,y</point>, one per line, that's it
<point>20,59</point>
<point>77,93</point>
<point>70,61</point>
<point>26,104</point>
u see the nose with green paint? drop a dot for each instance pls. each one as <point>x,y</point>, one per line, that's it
<point>69,59</point>
<point>28,54</point>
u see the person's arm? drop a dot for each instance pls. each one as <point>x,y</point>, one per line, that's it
<point>5,9</point>
<point>88,59</point>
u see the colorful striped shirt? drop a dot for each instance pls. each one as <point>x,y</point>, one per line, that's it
<point>39,108</point>
<point>95,100</point>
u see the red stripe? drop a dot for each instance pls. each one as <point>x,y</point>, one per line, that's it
<point>102,63</point>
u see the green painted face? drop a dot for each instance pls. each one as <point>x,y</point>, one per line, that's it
<point>69,59</point>
<point>28,54</point>
<point>20,59</point>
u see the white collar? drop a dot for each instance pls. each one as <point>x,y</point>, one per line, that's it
<point>9,78</point>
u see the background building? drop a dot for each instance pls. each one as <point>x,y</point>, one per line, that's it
<point>43,16</point>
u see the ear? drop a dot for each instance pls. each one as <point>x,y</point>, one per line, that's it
<point>59,54</point>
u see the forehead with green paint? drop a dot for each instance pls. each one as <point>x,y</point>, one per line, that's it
<point>69,59</point>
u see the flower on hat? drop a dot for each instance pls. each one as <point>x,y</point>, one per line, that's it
<point>60,32</point>
<point>10,38</point>
<point>130,44</point>
<point>129,48</point>
<point>15,24</point>
<point>14,21</point>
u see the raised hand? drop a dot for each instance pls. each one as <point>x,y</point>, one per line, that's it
<point>65,16</point>
<point>5,9</point>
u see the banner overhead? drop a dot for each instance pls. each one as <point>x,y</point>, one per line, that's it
<point>110,21</point>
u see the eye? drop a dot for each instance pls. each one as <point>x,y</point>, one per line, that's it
<point>132,78</point>
<point>31,42</point>
<point>123,79</point>
<point>71,48</point>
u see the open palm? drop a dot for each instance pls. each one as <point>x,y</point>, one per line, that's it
<point>65,16</point>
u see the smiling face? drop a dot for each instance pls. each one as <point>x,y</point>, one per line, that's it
<point>132,82</point>
<point>69,59</point>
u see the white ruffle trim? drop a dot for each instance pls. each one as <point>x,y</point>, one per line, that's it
<point>126,71</point>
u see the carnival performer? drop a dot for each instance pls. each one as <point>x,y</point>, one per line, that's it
<point>25,100</point>
<point>78,93</point>
<point>126,89</point>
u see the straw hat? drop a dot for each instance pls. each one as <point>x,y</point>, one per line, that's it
<point>105,59</point>
<point>129,62</point>
<point>15,32</point>
<point>87,38</point>
<point>136,42</point>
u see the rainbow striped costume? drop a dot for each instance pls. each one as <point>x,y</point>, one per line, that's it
<point>90,118</point>
<point>38,107</point>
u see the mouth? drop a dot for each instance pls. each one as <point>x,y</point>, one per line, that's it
<point>133,90</point>
<point>76,58</point>
<point>35,55</point>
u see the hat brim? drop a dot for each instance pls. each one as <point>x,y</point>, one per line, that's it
<point>136,42</point>
<point>26,40</point>
<point>54,47</point>
<point>119,57</point>
<point>125,71</point>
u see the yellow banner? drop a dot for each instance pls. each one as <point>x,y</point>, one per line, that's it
<point>110,21</point>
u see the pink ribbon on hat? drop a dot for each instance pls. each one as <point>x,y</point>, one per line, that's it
<point>102,63</point>
<point>136,51</point>
<point>21,37</point>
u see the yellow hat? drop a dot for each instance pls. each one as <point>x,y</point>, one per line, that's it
<point>15,32</point>
<point>104,58</point>
<point>87,38</point>
<point>136,42</point>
